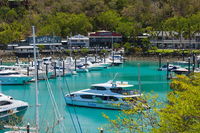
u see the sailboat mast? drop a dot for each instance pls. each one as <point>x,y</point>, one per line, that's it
<point>36,85</point>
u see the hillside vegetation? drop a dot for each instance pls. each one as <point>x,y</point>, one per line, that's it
<point>69,17</point>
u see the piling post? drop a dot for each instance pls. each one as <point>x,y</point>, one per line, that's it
<point>75,63</point>
<point>95,58</point>
<point>113,59</point>
<point>37,67</point>
<point>1,62</point>
<point>167,70</point>
<point>85,61</point>
<point>55,69</point>
<point>160,56</point>
<point>194,62</point>
<point>188,65</point>
<point>28,128</point>
<point>27,70</point>
<point>63,68</point>
<point>104,57</point>
<point>101,130</point>
<point>183,55</point>
<point>17,60</point>
<point>122,60</point>
<point>46,70</point>
<point>29,58</point>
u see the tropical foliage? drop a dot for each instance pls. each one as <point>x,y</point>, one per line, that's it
<point>179,114</point>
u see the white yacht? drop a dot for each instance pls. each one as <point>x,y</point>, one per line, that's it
<point>11,110</point>
<point>109,95</point>
<point>9,77</point>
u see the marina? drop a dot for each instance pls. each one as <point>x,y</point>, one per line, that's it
<point>84,119</point>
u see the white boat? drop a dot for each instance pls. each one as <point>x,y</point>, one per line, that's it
<point>10,77</point>
<point>170,67</point>
<point>11,110</point>
<point>94,67</point>
<point>109,95</point>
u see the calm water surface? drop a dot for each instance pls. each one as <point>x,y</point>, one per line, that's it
<point>89,119</point>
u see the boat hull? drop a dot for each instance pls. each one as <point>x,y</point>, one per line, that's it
<point>12,118</point>
<point>99,105</point>
<point>14,80</point>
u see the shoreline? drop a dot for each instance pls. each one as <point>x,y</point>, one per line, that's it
<point>12,58</point>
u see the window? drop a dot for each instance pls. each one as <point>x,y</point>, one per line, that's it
<point>2,103</point>
<point>112,98</point>
<point>102,97</point>
<point>86,96</point>
<point>98,88</point>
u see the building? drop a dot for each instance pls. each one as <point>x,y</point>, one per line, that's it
<point>78,41</point>
<point>25,50</point>
<point>47,42</point>
<point>104,38</point>
<point>171,40</point>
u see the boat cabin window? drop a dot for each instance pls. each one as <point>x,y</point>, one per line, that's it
<point>98,88</point>
<point>116,90</point>
<point>86,96</point>
<point>2,103</point>
<point>111,98</point>
<point>102,97</point>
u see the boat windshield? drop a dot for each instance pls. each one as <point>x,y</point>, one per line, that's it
<point>3,103</point>
<point>98,88</point>
<point>120,90</point>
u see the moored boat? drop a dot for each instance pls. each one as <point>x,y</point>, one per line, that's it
<point>11,110</point>
<point>109,95</point>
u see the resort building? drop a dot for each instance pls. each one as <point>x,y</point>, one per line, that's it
<point>104,38</point>
<point>44,42</point>
<point>171,40</point>
<point>78,41</point>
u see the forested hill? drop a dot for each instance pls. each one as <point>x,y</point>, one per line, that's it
<point>65,17</point>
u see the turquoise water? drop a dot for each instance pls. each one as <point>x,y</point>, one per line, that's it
<point>89,119</point>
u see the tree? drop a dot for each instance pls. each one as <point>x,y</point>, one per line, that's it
<point>84,51</point>
<point>182,112</point>
<point>137,119</point>
<point>179,114</point>
<point>108,20</point>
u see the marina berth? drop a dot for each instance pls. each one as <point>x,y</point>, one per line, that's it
<point>11,110</point>
<point>110,95</point>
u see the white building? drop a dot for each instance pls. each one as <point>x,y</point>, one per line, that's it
<point>172,40</point>
<point>78,41</point>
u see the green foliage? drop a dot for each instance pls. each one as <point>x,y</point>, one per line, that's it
<point>41,47</point>
<point>179,114</point>
<point>182,112</point>
<point>84,51</point>
<point>128,17</point>
<point>108,20</point>
<point>104,51</point>
<point>138,118</point>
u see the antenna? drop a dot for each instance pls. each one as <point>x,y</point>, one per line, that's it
<point>36,85</point>
<point>115,76</point>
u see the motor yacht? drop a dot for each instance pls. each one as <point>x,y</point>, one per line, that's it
<point>9,77</point>
<point>11,110</point>
<point>109,95</point>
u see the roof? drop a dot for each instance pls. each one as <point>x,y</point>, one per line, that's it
<point>110,84</point>
<point>25,47</point>
<point>79,37</point>
<point>46,44</point>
